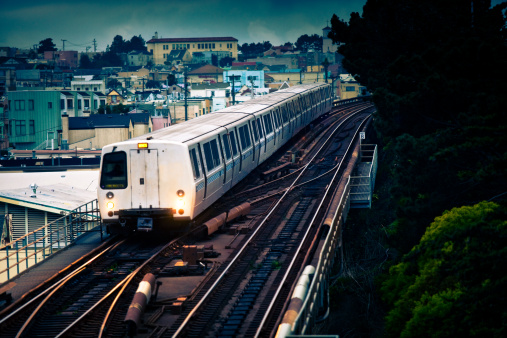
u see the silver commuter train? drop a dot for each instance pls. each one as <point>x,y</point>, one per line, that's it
<point>177,172</point>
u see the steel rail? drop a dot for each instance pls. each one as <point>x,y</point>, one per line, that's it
<point>247,242</point>
<point>58,284</point>
<point>328,189</point>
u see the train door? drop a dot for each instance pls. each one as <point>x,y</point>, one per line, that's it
<point>144,178</point>
<point>269,133</point>
<point>225,148</point>
<point>214,168</point>
<point>255,140</point>
<point>199,176</point>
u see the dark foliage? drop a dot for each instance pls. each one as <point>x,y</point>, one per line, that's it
<point>437,72</point>
<point>306,42</point>
<point>46,45</point>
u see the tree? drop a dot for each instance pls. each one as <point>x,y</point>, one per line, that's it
<point>113,83</point>
<point>135,43</point>
<point>152,84</point>
<point>120,109</point>
<point>46,45</point>
<point>226,62</point>
<point>254,50</point>
<point>306,42</point>
<point>118,46</point>
<point>171,79</point>
<point>104,109</point>
<point>214,60</point>
<point>452,283</point>
<point>440,123</point>
<point>85,62</point>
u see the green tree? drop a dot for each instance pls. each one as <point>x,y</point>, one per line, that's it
<point>119,45</point>
<point>104,109</point>
<point>441,122</point>
<point>120,109</point>
<point>453,283</point>
<point>46,45</point>
<point>85,62</point>
<point>135,43</point>
<point>226,62</point>
<point>306,42</point>
<point>152,84</point>
<point>113,83</point>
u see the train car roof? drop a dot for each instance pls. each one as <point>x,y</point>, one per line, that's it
<point>202,125</point>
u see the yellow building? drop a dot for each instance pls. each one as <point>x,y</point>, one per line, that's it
<point>349,88</point>
<point>161,48</point>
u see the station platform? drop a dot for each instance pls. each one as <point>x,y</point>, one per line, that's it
<point>59,261</point>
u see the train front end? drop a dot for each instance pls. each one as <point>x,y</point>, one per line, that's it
<point>145,186</point>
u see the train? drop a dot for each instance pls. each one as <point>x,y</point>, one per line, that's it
<point>169,176</point>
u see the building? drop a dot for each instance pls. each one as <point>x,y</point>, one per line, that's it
<point>349,88</point>
<point>162,47</point>
<point>206,73</point>
<point>250,78</point>
<point>81,84</point>
<point>138,58</point>
<point>178,57</point>
<point>62,58</point>
<point>99,130</point>
<point>7,79</point>
<point>218,93</point>
<point>35,116</point>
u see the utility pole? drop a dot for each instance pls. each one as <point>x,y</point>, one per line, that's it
<point>233,91</point>
<point>94,45</point>
<point>63,44</point>
<point>186,105</point>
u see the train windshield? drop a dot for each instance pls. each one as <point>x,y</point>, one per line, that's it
<point>114,171</point>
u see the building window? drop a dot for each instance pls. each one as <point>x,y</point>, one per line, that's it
<point>94,89</point>
<point>30,105</point>
<point>87,104</point>
<point>19,104</point>
<point>188,46</point>
<point>20,127</point>
<point>70,104</point>
<point>79,104</point>
<point>350,89</point>
<point>62,104</point>
<point>50,105</point>
<point>87,89</point>
<point>31,127</point>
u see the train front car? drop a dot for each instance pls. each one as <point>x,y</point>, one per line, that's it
<point>145,185</point>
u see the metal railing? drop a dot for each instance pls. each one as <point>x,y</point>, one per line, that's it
<point>34,247</point>
<point>310,308</point>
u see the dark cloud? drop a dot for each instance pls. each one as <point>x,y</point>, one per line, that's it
<point>25,23</point>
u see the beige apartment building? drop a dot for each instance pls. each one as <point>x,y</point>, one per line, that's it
<point>161,48</point>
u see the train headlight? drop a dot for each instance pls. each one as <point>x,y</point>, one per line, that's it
<point>180,203</point>
<point>180,193</point>
<point>110,205</point>
<point>110,195</point>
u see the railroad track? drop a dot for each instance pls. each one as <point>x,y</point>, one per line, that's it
<point>246,293</point>
<point>93,300</point>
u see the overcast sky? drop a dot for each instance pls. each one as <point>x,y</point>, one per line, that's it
<point>24,23</point>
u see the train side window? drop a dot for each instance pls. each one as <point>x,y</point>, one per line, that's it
<point>233,143</point>
<point>267,124</point>
<point>195,164</point>
<point>244,137</point>
<point>259,127</point>
<point>211,154</point>
<point>214,151</point>
<point>254,129</point>
<point>226,146</point>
